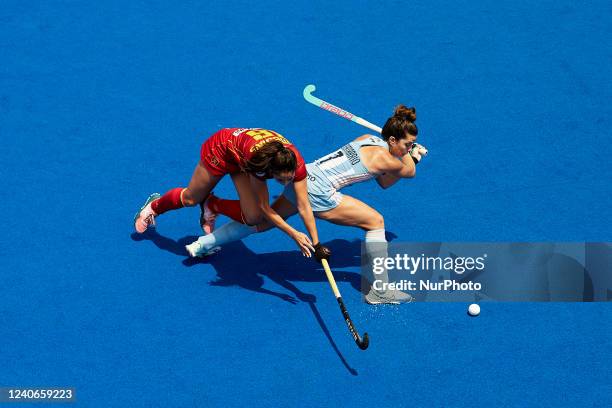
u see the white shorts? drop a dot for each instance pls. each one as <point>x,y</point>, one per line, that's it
<point>320,200</point>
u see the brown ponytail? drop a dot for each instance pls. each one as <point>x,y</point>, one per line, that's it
<point>401,123</point>
<point>273,157</point>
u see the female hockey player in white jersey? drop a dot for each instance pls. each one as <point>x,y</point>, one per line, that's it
<point>387,159</point>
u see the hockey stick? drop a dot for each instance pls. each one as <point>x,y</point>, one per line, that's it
<point>361,343</point>
<point>338,111</point>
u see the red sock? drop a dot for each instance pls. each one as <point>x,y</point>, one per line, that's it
<point>169,201</point>
<point>230,208</point>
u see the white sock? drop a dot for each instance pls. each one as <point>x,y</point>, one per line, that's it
<point>230,232</point>
<point>377,235</point>
<point>376,247</point>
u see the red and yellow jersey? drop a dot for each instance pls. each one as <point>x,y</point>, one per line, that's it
<point>229,150</point>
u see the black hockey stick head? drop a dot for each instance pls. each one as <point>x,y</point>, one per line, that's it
<point>363,343</point>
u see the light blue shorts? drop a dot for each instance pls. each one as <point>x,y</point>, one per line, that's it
<point>321,199</point>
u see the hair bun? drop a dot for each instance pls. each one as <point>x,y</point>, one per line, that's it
<point>403,112</point>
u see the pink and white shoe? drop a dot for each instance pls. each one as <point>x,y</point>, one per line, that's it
<point>207,216</point>
<point>145,218</point>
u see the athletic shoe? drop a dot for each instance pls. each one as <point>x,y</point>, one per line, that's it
<point>196,250</point>
<point>403,297</point>
<point>389,297</point>
<point>145,218</point>
<point>375,298</point>
<point>207,217</point>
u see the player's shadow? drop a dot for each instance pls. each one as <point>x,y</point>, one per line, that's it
<point>237,265</point>
<point>283,267</point>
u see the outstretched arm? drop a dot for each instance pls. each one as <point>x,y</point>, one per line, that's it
<point>261,189</point>
<point>305,210</point>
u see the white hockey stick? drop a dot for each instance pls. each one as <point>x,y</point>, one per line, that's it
<point>338,111</point>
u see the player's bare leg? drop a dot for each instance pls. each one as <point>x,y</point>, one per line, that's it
<point>201,184</point>
<point>353,212</point>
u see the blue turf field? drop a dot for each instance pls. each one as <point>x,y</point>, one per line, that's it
<point>102,103</point>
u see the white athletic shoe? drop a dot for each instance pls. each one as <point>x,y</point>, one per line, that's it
<point>145,217</point>
<point>197,250</point>
<point>207,217</point>
<point>389,297</point>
